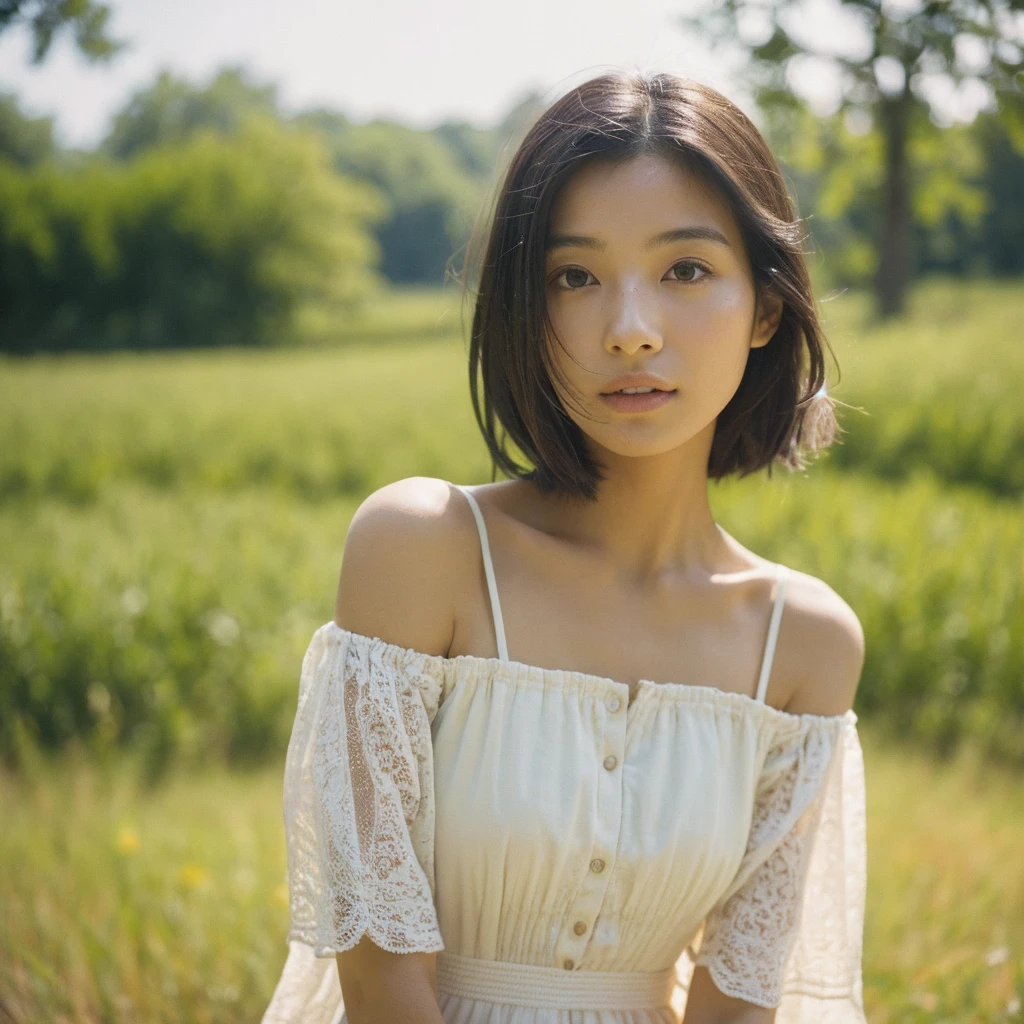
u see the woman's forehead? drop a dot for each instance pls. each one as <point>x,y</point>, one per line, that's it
<point>634,197</point>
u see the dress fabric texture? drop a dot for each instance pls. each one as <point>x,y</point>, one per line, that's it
<point>570,855</point>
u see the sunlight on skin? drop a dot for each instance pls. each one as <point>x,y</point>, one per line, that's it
<point>682,309</point>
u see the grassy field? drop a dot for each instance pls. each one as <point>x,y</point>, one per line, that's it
<point>123,904</point>
<point>940,387</point>
<point>938,390</point>
<point>171,529</point>
<point>173,621</point>
<point>172,526</point>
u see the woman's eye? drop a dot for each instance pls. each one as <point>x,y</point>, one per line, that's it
<point>690,271</point>
<point>575,278</point>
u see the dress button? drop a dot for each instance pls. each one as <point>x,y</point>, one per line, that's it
<point>610,762</point>
<point>568,964</point>
<point>597,864</point>
<point>579,927</point>
<point>614,704</point>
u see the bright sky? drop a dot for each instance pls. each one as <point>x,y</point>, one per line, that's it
<point>420,61</point>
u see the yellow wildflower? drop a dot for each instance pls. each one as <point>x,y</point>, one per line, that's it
<point>127,841</point>
<point>193,876</point>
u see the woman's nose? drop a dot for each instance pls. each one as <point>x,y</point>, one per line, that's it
<point>633,322</point>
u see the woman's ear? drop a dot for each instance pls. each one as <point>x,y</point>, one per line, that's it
<point>767,318</point>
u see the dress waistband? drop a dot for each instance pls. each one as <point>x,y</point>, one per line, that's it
<point>501,981</point>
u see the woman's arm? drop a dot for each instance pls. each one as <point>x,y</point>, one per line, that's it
<point>379,987</point>
<point>822,645</point>
<point>398,577</point>
<point>705,1004</point>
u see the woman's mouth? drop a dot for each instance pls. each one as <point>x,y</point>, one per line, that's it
<point>633,400</point>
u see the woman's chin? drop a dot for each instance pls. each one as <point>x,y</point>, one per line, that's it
<point>638,444</point>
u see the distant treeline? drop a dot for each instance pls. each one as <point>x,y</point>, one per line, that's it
<point>207,216</point>
<point>209,241</point>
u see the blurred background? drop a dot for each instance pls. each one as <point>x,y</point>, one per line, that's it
<point>228,313</point>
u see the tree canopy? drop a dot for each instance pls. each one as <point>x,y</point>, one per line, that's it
<point>172,109</point>
<point>209,215</point>
<point>207,242</point>
<point>894,65</point>
<point>87,20</point>
<point>24,140</point>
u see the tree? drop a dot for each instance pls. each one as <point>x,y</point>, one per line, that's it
<point>896,65</point>
<point>172,109</point>
<point>1003,228</point>
<point>431,197</point>
<point>481,152</point>
<point>45,18</point>
<point>214,241</point>
<point>23,140</point>
<point>836,170</point>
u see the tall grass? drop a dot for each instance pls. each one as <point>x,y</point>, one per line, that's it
<point>938,390</point>
<point>125,905</point>
<point>939,387</point>
<point>311,424</point>
<point>176,624</point>
<point>173,525</point>
<point>122,904</point>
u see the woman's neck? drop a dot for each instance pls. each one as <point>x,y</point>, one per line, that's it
<point>651,515</point>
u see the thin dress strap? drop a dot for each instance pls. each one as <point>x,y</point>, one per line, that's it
<point>492,587</point>
<point>781,574</point>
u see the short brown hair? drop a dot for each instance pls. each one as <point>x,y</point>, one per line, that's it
<point>780,411</point>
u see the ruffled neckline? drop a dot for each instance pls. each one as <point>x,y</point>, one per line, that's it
<point>519,671</point>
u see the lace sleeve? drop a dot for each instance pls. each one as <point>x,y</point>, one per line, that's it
<point>359,798</point>
<point>358,814</point>
<point>788,931</point>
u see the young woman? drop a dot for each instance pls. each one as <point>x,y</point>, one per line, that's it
<point>568,752</point>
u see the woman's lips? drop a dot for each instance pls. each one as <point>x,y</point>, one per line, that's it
<point>644,402</point>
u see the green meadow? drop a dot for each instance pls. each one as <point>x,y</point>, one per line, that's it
<point>122,903</point>
<point>171,529</point>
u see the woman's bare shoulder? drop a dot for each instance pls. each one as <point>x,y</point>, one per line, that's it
<point>821,642</point>
<point>406,556</point>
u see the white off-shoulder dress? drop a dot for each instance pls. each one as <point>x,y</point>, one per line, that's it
<point>569,854</point>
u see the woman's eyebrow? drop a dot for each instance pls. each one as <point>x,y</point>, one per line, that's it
<point>699,231</point>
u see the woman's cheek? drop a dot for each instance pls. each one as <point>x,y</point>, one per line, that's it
<point>570,346</point>
<point>733,301</point>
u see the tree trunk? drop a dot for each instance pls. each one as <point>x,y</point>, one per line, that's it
<point>894,258</point>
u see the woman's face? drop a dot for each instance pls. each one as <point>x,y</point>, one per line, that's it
<point>647,273</point>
